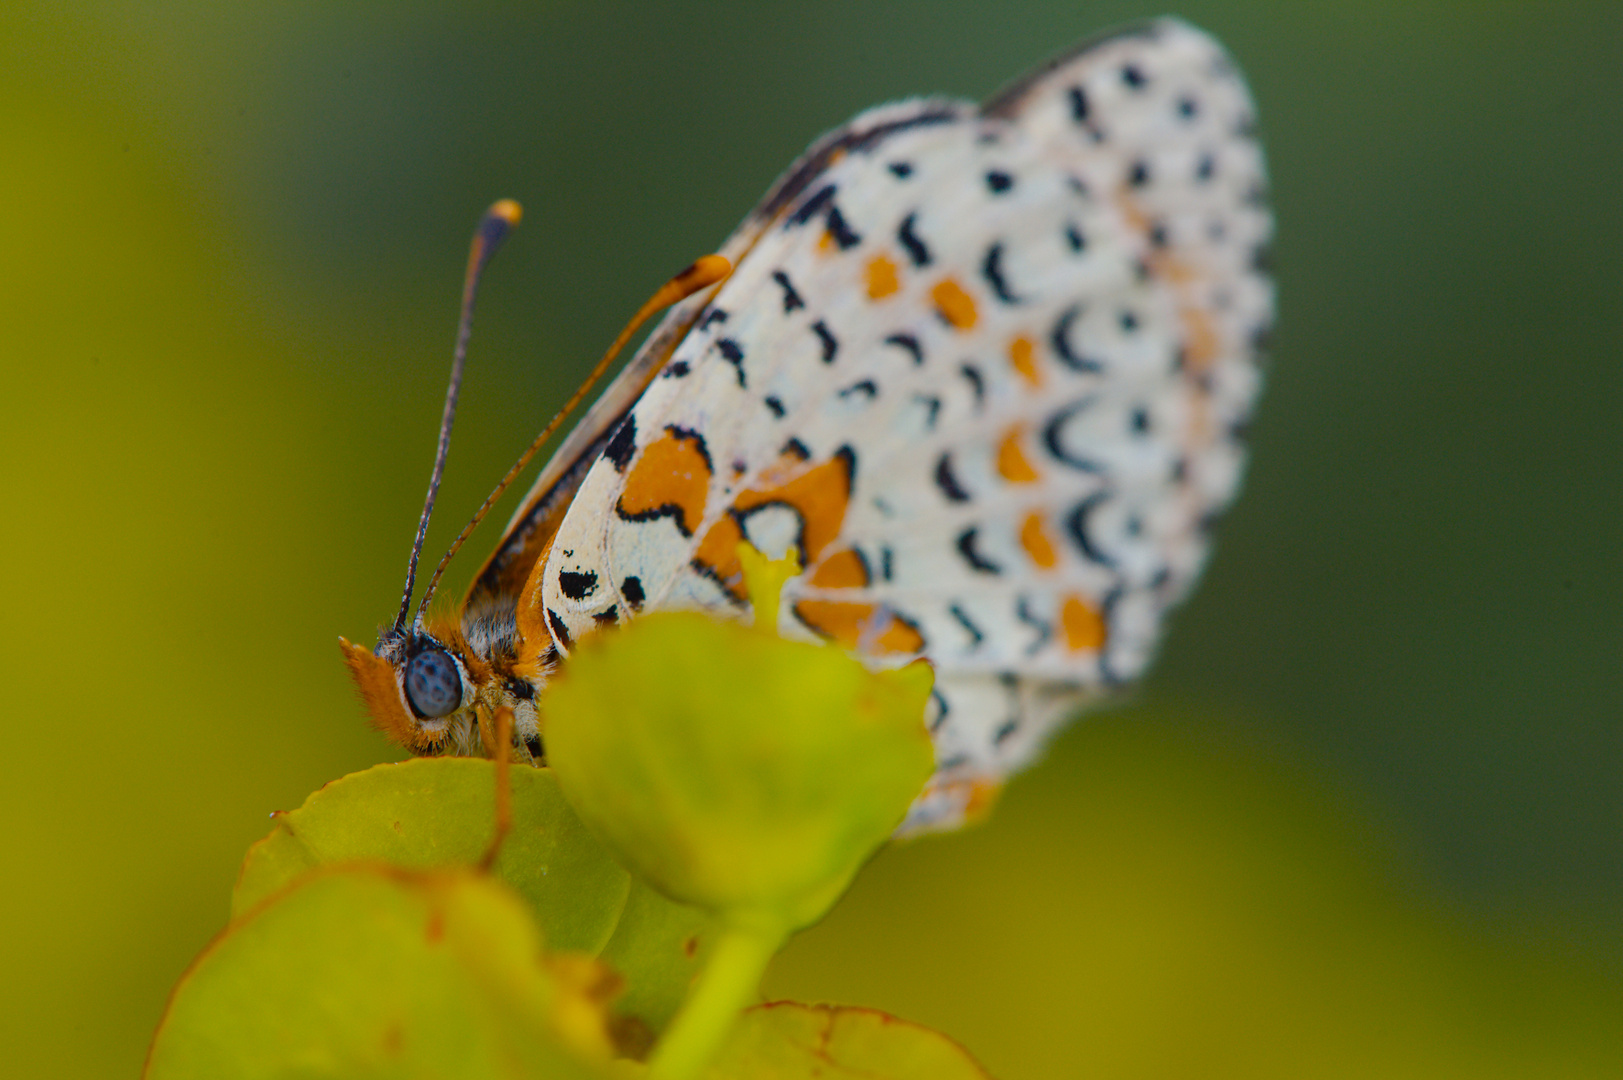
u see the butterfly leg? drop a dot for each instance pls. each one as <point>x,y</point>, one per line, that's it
<point>496,729</point>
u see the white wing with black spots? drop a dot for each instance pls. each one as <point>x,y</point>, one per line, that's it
<point>986,368</point>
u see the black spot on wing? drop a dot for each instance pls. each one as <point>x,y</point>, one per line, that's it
<point>631,589</point>
<point>1045,631</point>
<point>975,634</point>
<point>732,352</point>
<point>1075,240</point>
<point>1060,338</point>
<point>711,317</point>
<point>1079,104</point>
<point>791,298</point>
<point>826,337</point>
<point>977,562</point>
<point>815,204</point>
<point>1053,433</point>
<point>1133,77</point>
<point>932,406</point>
<point>866,387</point>
<point>844,236</point>
<point>977,383</point>
<point>909,343</point>
<point>999,182</point>
<point>622,444</point>
<point>774,405</point>
<point>796,449</point>
<point>906,235</point>
<point>885,557</point>
<point>677,369</point>
<point>608,616</point>
<point>1076,523</point>
<point>821,202</point>
<point>560,633</point>
<point>947,481</point>
<point>577,586</point>
<point>992,271</point>
<point>900,169</point>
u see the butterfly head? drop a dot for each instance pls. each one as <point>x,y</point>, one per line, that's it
<point>421,688</point>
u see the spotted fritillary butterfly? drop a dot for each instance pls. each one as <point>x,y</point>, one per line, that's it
<point>984,368</point>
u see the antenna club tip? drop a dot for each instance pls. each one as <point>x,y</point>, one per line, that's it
<point>508,210</point>
<point>705,270</point>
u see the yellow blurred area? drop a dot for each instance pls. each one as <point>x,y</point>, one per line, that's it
<point>1182,905</point>
<point>230,241</point>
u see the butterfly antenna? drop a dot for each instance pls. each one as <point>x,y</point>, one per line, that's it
<point>498,221</point>
<point>700,274</point>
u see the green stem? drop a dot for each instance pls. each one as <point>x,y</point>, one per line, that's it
<point>726,985</point>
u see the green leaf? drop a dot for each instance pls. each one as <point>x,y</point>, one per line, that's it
<point>439,812</point>
<point>659,946</point>
<point>733,769</point>
<point>378,972</point>
<point>786,1041</point>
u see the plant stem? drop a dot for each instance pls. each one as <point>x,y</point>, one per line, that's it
<point>726,986</point>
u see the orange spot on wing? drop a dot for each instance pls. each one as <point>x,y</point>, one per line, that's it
<point>1201,346</point>
<point>717,554</point>
<point>954,304</point>
<point>882,279</point>
<point>817,493</point>
<point>854,626</point>
<point>672,477</point>
<point>1023,357</point>
<point>983,795</point>
<point>843,569</point>
<point>1034,538</point>
<point>1012,463</point>
<point>1201,343</point>
<point>826,241</point>
<point>1084,627</point>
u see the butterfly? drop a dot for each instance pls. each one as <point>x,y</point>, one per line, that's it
<point>985,370</point>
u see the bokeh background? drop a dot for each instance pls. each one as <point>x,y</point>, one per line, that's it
<point>1364,819</point>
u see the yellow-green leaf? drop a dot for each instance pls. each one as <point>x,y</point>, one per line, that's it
<point>440,812</point>
<point>786,1041</point>
<point>365,972</point>
<point>733,769</point>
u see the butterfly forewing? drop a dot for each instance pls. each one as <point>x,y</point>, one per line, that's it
<point>984,369</point>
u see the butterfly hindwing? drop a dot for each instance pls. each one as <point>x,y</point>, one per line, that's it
<point>984,368</point>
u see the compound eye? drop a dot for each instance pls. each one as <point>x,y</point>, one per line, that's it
<point>433,686</point>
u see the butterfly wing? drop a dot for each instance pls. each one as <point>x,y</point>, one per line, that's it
<point>986,369</point>
<point>534,523</point>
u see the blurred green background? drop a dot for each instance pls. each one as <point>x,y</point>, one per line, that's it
<point>1364,819</point>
